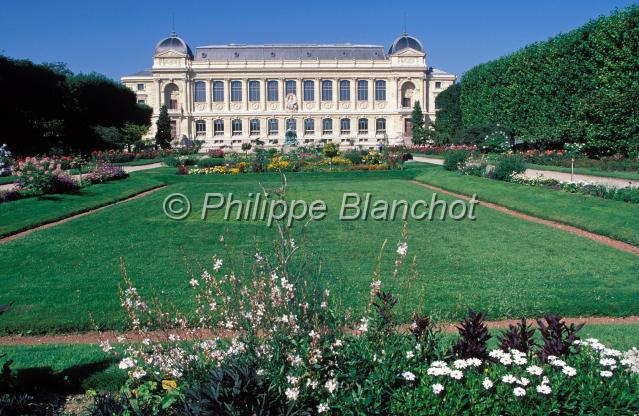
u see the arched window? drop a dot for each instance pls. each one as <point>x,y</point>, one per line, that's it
<point>273,126</point>
<point>291,124</point>
<point>236,127</point>
<point>254,127</point>
<point>291,87</point>
<point>362,90</point>
<point>380,126</point>
<point>254,90</point>
<point>362,126</point>
<point>309,90</point>
<point>200,91</point>
<point>171,96</point>
<point>344,90</point>
<point>236,91</point>
<point>327,126</point>
<point>380,90</point>
<point>218,128</point>
<point>309,126</point>
<point>271,90</point>
<point>327,90</point>
<point>345,126</point>
<point>200,128</point>
<point>218,91</point>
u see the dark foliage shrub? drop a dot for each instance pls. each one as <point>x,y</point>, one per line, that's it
<point>182,169</point>
<point>384,305</point>
<point>559,338</point>
<point>407,156</point>
<point>454,158</point>
<point>518,337</point>
<point>18,405</point>
<point>474,335</point>
<point>506,165</point>
<point>354,156</point>
<point>108,404</point>
<point>235,388</point>
<point>6,196</point>
<point>215,153</point>
<point>208,162</point>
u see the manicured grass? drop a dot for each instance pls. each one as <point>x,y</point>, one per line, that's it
<point>587,171</point>
<point>498,263</point>
<point>615,219</point>
<point>27,213</point>
<point>7,179</point>
<point>63,368</point>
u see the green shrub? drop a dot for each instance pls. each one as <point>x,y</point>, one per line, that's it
<point>506,166</point>
<point>354,156</point>
<point>453,159</point>
<point>208,162</point>
<point>330,150</point>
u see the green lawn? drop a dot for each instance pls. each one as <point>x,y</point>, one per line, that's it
<point>26,213</point>
<point>587,171</point>
<point>615,219</point>
<point>76,368</point>
<point>498,263</point>
<point>7,179</point>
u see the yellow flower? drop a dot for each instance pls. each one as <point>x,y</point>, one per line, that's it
<point>169,385</point>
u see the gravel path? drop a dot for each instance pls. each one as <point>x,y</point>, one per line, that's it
<point>128,169</point>
<point>95,337</point>
<point>561,176</point>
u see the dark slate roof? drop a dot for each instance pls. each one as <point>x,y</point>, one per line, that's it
<point>287,52</point>
<point>173,43</point>
<point>404,42</point>
<point>143,73</point>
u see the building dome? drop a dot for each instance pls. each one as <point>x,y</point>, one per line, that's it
<point>173,43</point>
<point>405,42</point>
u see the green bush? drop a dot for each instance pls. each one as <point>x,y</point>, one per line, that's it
<point>453,159</point>
<point>354,156</point>
<point>208,162</point>
<point>506,166</point>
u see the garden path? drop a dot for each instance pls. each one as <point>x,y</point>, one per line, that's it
<point>561,176</point>
<point>127,169</point>
<point>95,337</point>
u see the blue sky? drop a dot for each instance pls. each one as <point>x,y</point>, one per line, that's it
<point>116,37</point>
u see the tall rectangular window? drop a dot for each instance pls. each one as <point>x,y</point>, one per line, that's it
<point>236,127</point>
<point>291,87</point>
<point>327,126</point>
<point>362,90</point>
<point>380,126</point>
<point>254,127</point>
<point>254,90</point>
<point>438,84</point>
<point>218,128</point>
<point>327,90</point>
<point>218,91</point>
<point>271,90</point>
<point>344,90</point>
<point>291,124</point>
<point>236,91</point>
<point>200,91</point>
<point>380,90</point>
<point>273,126</point>
<point>309,90</point>
<point>309,126</point>
<point>141,87</point>
<point>200,128</point>
<point>362,126</point>
<point>345,126</point>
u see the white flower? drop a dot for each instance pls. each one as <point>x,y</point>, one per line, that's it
<point>408,376</point>
<point>506,359</point>
<point>322,408</point>
<point>363,326</point>
<point>331,385</point>
<point>534,370</point>
<point>544,389</point>
<point>218,265</point>
<point>106,346</point>
<point>487,383</point>
<point>569,371</point>
<point>495,353</point>
<point>292,393</point>
<point>473,362</point>
<point>520,360</point>
<point>126,363</point>
<point>545,380</point>
<point>608,361</point>
<point>439,364</point>
<point>557,363</point>
<point>523,381</point>
<point>138,373</point>
<point>605,373</point>
<point>456,374</point>
<point>194,282</point>
<point>460,364</point>
<point>552,358</point>
<point>519,392</point>
<point>402,249</point>
<point>409,355</point>
<point>509,379</point>
<point>292,380</point>
<point>437,388</point>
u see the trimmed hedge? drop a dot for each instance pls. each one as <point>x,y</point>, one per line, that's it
<point>582,86</point>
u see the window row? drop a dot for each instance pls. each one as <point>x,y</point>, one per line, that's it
<point>273,126</point>
<point>290,87</point>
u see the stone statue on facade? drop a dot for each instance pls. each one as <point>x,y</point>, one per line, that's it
<point>291,102</point>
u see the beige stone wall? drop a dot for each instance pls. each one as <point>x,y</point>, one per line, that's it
<point>406,76</point>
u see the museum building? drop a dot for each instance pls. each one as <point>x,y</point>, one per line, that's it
<point>349,94</point>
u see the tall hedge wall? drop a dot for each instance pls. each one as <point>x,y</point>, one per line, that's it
<point>582,86</point>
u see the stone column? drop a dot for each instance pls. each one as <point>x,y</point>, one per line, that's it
<point>227,95</point>
<point>371,93</point>
<point>244,94</point>
<point>158,86</point>
<point>282,92</point>
<point>318,98</point>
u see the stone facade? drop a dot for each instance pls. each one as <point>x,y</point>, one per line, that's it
<point>230,94</point>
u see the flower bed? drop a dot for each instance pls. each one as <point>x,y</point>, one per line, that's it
<point>36,176</point>
<point>563,159</point>
<point>104,172</point>
<point>439,150</point>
